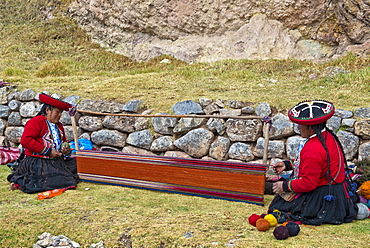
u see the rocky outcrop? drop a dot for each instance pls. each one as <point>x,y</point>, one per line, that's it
<point>207,31</point>
<point>354,18</point>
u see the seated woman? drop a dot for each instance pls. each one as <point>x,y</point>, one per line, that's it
<point>47,164</point>
<point>318,191</point>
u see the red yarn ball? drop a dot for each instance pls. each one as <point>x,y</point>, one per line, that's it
<point>253,219</point>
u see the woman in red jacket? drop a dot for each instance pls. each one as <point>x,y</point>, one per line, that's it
<point>46,165</point>
<point>318,190</point>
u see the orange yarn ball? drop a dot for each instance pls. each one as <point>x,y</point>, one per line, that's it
<point>262,225</point>
<point>365,190</point>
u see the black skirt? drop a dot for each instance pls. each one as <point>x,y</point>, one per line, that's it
<point>316,208</point>
<point>35,174</point>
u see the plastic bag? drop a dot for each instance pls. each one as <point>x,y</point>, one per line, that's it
<point>83,144</point>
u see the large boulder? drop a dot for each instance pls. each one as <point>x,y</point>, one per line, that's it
<point>241,151</point>
<point>142,139</point>
<point>219,148</point>
<point>109,137</point>
<point>196,143</point>
<point>243,129</point>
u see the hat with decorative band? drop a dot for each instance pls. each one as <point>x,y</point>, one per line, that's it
<point>54,102</point>
<point>311,112</point>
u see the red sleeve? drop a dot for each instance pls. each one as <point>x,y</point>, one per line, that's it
<point>310,169</point>
<point>32,135</point>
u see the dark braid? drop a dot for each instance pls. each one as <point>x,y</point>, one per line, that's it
<point>340,144</point>
<point>318,128</point>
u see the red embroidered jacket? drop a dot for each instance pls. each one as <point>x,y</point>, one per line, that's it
<point>314,165</point>
<point>37,139</point>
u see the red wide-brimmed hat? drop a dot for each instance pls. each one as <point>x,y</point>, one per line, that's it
<point>54,102</point>
<point>311,112</point>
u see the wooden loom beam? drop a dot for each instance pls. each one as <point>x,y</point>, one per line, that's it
<point>173,116</point>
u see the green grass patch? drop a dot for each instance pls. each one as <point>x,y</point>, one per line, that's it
<point>95,212</point>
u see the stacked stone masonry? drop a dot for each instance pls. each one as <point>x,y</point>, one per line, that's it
<point>206,138</point>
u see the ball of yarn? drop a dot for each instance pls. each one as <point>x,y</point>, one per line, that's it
<point>271,219</point>
<point>253,219</point>
<point>363,199</point>
<point>365,189</point>
<point>281,232</point>
<point>293,229</point>
<point>263,215</point>
<point>262,225</point>
<point>363,211</point>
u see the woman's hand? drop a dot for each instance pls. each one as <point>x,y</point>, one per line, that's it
<point>277,187</point>
<point>65,148</point>
<point>55,154</point>
<point>278,167</point>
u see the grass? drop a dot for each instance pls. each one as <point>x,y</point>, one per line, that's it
<point>153,219</point>
<point>280,83</point>
<point>55,55</point>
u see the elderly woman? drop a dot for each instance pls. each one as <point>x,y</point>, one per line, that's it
<point>318,191</point>
<point>47,164</point>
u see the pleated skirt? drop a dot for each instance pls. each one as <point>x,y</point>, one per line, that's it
<point>35,174</point>
<point>332,204</point>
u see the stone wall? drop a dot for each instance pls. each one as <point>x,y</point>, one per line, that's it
<point>229,138</point>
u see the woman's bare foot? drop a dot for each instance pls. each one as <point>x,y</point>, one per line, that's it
<point>12,186</point>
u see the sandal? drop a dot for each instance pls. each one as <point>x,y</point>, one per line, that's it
<point>12,187</point>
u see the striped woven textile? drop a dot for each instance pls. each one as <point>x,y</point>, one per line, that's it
<point>206,178</point>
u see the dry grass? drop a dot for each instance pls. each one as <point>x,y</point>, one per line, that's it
<point>280,83</point>
<point>153,219</point>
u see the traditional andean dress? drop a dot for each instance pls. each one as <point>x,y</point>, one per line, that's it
<point>316,193</point>
<point>37,172</point>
